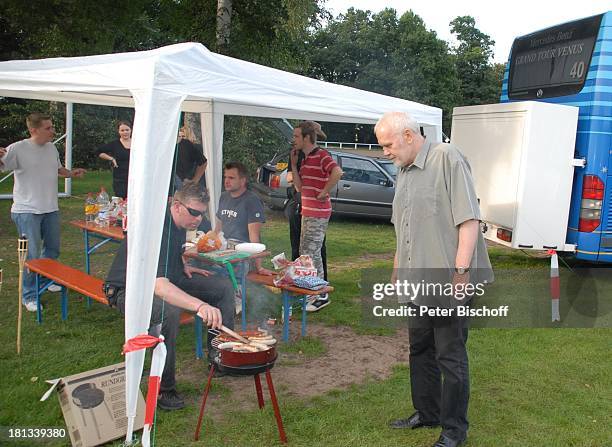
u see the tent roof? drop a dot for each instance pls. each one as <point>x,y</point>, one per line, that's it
<point>201,76</point>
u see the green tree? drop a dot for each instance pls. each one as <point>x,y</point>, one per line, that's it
<point>271,32</point>
<point>480,83</point>
<point>425,66</point>
<point>388,55</point>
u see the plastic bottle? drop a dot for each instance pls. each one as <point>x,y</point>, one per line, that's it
<point>103,207</point>
<point>91,208</point>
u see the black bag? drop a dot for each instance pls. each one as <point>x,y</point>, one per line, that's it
<point>111,292</point>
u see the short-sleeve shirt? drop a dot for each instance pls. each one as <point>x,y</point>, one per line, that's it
<point>122,155</point>
<point>433,196</point>
<point>189,157</point>
<point>236,213</point>
<point>35,169</point>
<point>314,173</point>
<point>170,264</point>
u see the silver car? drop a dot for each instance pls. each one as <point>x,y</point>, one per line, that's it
<point>365,189</point>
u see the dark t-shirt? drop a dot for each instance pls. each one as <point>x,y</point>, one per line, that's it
<point>170,264</point>
<point>237,213</point>
<point>116,150</point>
<point>189,157</point>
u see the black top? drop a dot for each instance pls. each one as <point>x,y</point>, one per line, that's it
<point>170,256</point>
<point>122,155</point>
<point>190,156</point>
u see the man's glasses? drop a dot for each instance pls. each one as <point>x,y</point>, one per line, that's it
<point>194,213</point>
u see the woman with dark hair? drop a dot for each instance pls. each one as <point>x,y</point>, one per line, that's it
<point>118,153</point>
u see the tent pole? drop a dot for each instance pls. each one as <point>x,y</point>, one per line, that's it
<point>68,161</point>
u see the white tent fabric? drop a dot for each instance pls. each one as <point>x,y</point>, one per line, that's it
<point>159,84</point>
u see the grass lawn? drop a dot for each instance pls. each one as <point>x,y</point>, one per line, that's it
<point>530,387</point>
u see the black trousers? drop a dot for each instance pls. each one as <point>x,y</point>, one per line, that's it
<point>165,318</point>
<point>439,372</point>
<point>295,231</point>
<point>120,188</point>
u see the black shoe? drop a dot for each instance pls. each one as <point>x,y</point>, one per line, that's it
<point>445,441</point>
<point>170,400</point>
<point>414,421</point>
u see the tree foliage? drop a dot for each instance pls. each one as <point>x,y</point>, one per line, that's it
<point>381,52</point>
<point>401,57</point>
<point>478,77</point>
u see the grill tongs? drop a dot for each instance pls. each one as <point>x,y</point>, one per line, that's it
<point>235,335</point>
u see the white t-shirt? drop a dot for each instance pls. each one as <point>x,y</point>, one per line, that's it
<point>35,184</point>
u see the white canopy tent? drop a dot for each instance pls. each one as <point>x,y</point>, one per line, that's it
<point>159,84</point>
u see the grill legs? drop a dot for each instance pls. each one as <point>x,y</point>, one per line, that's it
<point>204,397</point>
<point>277,415</point>
<point>260,402</point>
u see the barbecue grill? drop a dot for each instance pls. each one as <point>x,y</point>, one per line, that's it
<point>244,364</point>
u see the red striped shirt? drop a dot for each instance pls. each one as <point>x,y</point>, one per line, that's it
<point>314,172</point>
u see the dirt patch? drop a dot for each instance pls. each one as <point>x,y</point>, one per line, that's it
<point>364,261</point>
<point>349,359</point>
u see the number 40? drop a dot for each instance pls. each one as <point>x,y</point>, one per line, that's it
<point>577,70</point>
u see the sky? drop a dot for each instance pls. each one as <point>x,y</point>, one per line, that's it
<point>501,20</point>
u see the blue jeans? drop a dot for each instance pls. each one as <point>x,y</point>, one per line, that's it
<point>43,233</point>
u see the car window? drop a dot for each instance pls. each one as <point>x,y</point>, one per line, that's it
<point>390,168</point>
<point>362,171</point>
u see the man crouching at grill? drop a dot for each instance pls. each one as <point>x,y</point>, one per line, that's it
<point>178,286</point>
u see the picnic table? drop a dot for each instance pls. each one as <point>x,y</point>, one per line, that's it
<point>105,234</point>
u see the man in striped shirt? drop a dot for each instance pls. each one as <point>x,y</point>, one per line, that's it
<point>316,177</point>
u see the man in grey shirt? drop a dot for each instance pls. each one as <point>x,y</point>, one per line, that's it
<point>240,214</point>
<point>35,211</point>
<point>436,218</point>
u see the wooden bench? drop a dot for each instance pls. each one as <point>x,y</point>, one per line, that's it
<point>289,293</point>
<point>70,278</point>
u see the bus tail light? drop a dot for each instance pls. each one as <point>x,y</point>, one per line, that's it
<point>504,235</point>
<point>590,208</point>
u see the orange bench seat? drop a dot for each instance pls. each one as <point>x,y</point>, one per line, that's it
<point>87,285</point>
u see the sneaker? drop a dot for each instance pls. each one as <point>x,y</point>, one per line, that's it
<point>54,288</point>
<point>170,400</point>
<point>31,306</point>
<point>319,303</point>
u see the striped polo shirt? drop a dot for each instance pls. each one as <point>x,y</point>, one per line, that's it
<point>314,172</point>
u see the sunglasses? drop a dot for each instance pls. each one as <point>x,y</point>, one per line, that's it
<point>194,213</point>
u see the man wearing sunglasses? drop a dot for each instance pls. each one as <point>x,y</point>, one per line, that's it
<point>178,286</point>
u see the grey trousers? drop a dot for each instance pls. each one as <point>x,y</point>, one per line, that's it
<point>311,240</point>
<point>165,318</point>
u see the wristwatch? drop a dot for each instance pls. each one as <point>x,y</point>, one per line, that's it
<point>462,270</point>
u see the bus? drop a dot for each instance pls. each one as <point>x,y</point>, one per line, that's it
<point>571,64</point>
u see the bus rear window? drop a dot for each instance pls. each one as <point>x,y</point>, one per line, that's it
<point>554,61</point>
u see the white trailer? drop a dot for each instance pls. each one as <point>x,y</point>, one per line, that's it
<point>522,159</point>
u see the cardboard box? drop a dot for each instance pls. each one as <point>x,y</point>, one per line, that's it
<point>93,404</point>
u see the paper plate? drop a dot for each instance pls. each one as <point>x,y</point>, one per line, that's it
<point>250,247</point>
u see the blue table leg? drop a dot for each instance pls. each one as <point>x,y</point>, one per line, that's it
<point>38,308</point>
<point>198,336</point>
<point>64,303</point>
<point>86,237</point>
<point>285,316</point>
<point>303,301</point>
